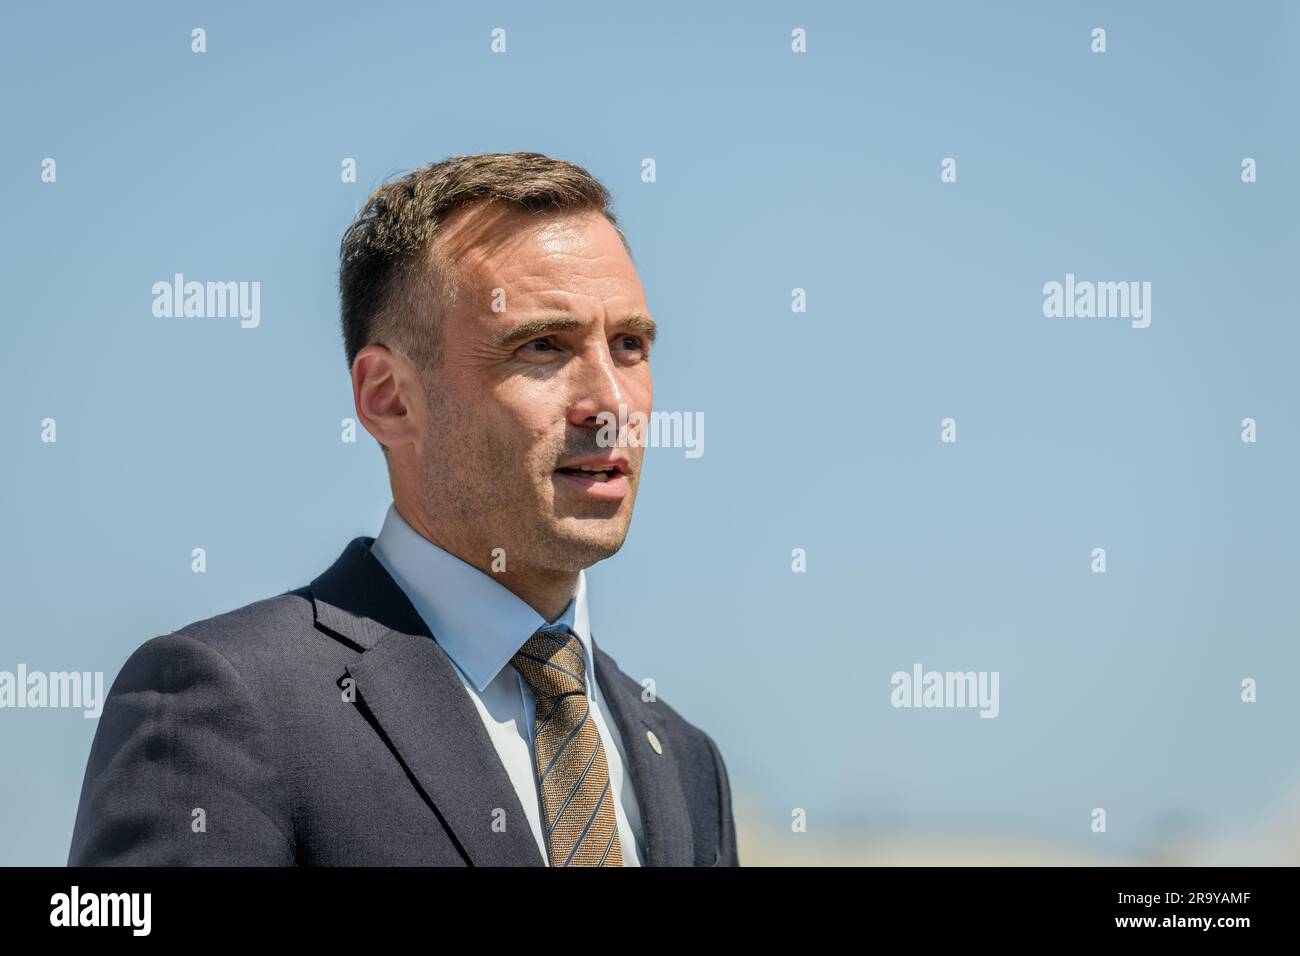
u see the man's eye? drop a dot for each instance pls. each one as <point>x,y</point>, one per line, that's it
<point>538,345</point>
<point>633,343</point>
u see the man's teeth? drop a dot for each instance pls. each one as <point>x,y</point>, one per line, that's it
<point>599,474</point>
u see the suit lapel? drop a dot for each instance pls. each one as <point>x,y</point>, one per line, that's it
<point>656,778</point>
<point>411,690</point>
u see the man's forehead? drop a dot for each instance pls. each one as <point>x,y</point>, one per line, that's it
<point>484,240</point>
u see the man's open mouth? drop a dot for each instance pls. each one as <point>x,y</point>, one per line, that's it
<point>596,474</point>
<point>598,477</point>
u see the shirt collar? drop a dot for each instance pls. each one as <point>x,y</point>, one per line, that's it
<point>478,621</point>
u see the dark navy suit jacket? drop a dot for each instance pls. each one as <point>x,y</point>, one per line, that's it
<point>230,742</point>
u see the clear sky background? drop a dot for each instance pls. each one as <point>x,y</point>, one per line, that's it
<point>775,171</point>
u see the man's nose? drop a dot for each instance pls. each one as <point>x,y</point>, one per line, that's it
<point>596,389</point>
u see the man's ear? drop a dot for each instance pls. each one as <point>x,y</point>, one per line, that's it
<point>385,384</point>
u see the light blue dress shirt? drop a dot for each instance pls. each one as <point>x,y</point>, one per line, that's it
<point>480,623</point>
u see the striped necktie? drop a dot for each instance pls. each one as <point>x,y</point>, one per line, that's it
<point>572,775</point>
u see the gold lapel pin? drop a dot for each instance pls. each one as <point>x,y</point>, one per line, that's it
<point>655,745</point>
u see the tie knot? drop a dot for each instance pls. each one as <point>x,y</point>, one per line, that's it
<point>551,662</point>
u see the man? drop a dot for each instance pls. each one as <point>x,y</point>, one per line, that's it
<point>437,696</point>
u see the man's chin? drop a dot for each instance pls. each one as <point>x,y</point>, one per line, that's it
<point>578,543</point>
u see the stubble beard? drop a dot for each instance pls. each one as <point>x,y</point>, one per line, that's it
<point>483,493</point>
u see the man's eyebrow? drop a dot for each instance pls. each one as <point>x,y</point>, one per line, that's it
<point>637,322</point>
<point>551,324</point>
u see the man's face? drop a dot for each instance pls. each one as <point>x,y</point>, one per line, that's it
<point>515,398</point>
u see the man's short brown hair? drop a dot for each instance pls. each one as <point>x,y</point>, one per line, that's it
<point>392,287</point>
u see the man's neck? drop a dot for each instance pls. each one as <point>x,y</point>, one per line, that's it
<point>546,592</point>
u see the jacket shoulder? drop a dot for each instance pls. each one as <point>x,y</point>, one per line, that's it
<point>257,634</point>
<point>181,729</point>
